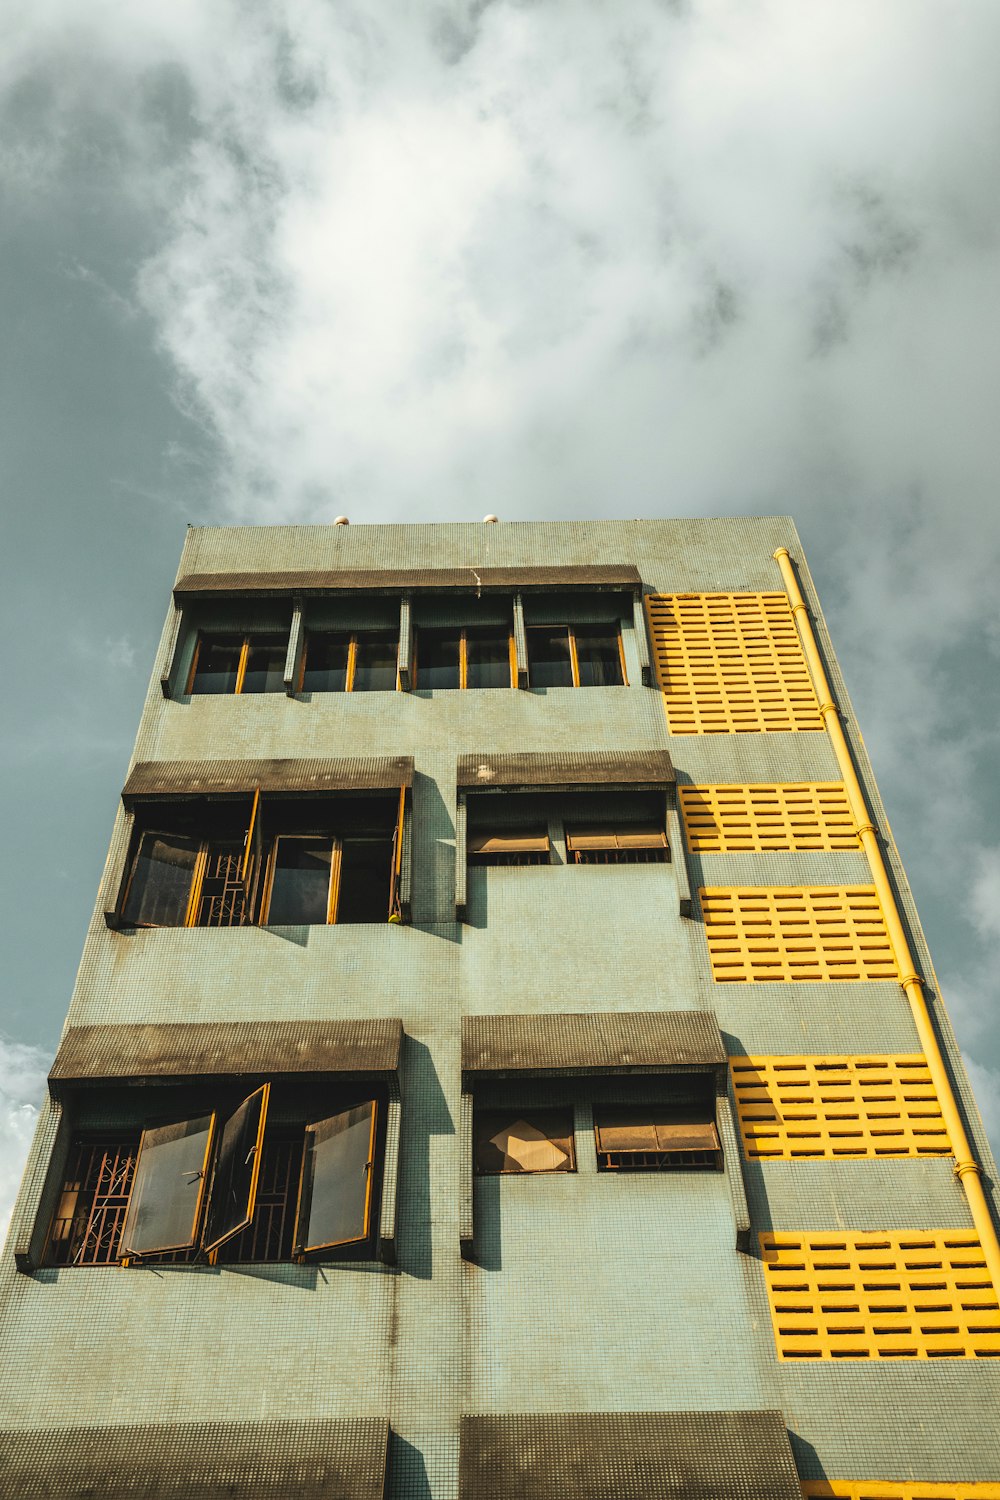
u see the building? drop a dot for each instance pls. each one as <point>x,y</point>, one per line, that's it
<point>505,1060</point>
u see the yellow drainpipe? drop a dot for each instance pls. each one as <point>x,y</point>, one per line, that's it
<point>966,1167</point>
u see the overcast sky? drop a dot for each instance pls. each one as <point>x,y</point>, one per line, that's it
<point>414,262</point>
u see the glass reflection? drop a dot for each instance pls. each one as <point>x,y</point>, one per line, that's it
<point>336,1179</point>
<point>375,663</point>
<point>438,659</point>
<point>301,869</point>
<point>167,1189</point>
<point>487,659</point>
<point>217,665</point>
<point>161,884</point>
<point>326,663</point>
<point>598,657</point>
<point>236,1167</point>
<point>549,662</point>
<point>265,670</point>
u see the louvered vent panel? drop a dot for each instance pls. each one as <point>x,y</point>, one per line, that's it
<point>776,933</point>
<point>901,1295</point>
<point>878,1489</point>
<point>731,662</point>
<point>760,818</point>
<point>833,1107</point>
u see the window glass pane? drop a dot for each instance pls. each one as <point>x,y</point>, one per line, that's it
<point>161,881</point>
<point>366,865</point>
<point>375,664</point>
<point>326,663</point>
<point>234,1179</point>
<point>166,1193</point>
<point>598,657</point>
<point>269,1235</point>
<point>217,664</point>
<point>300,881</point>
<point>336,1179</point>
<point>548,657</point>
<point>538,1140</point>
<point>265,671</point>
<point>488,659</point>
<point>437,659</point>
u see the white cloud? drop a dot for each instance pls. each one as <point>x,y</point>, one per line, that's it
<point>22,1082</point>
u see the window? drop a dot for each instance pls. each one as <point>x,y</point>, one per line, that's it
<point>269,860</point>
<point>657,1137</point>
<point>238,664</point>
<point>221,1186</point>
<point>604,845</point>
<point>509,846</point>
<point>575,656</point>
<point>465,657</point>
<point>362,661</point>
<point>535,1140</point>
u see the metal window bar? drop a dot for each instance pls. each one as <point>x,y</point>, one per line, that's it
<point>89,1216</point>
<point>221,901</point>
<point>619,856</point>
<point>269,1236</point>
<point>659,1161</point>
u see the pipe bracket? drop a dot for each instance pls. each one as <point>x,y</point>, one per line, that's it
<point>914,978</point>
<point>962,1168</point>
<point>864,828</point>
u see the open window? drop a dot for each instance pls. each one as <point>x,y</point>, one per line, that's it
<point>576,656</point>
<point>359,661</point>
<point>677,1133</point>
<point>266,859</point>
<point>518,1141</point>
<point>226,1185</point>
<point>508,846</point>
<point>237,663</point>
<point>474,656</point>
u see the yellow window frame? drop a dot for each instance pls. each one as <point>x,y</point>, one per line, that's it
<point>463,657</point>
<point>241,666</point>
<point>367,1212</point>
<point>129,1259</point>
<point>333,891</point>
<point>573,657</point>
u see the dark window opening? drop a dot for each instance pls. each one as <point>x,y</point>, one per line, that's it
<point>238,664</point>
<point>342,661</point>
<point>235,1193</point>
<point>678,1135</point>
<point>575,656</point>
<point>532,1140</point>
<point>277,861</point>
<point>375,658</point>
<point>467,657</point>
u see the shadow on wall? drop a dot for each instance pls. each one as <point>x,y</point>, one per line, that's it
<point>434,858</point>
<point>427,1114</point>
<point>407,1470</point>
<point>753,1175</point>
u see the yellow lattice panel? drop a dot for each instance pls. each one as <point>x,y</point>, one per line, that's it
<point>740,819</point>
<point>731,662</point>
<point>832,1107</point>
<point>878,1489</point>
<point>900,1295</point>
<point>777,933</point>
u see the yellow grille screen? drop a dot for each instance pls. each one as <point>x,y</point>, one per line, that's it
<point>733,819</point>
<point>730,662</point>
<point>837,1106</point>
<point>904,1295</point>
<point>877,1489</point>
<point>779,933</point>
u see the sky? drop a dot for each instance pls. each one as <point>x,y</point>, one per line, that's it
<point>417,262</point>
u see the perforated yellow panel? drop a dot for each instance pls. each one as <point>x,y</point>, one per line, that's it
<point>900,1295</point>
<point>877,1489</point>
<point>768,933</point>
<point>802,815</point>
<point>730,662</point>
<point>837,1106</point>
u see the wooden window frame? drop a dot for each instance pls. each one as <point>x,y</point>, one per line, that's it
<point>352,656</point>
<point>308,1253</point>
<point>333,890</point>
<point>463,656</point>
<point>571,629</point>
<point>241,667</point>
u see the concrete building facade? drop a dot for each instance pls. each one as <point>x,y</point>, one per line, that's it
<point>495,1067</point>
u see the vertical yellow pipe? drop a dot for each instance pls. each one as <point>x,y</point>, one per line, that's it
<point>966,1167</point>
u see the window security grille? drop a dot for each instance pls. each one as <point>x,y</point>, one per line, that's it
<point>89,1217</point>
<point>778,933</point>
<point>222,897</point>
<point>901,1295</point>
<point>831,1107</point>
<point>729,663</point>
<point>625,846</point>
<point>756,819</point>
